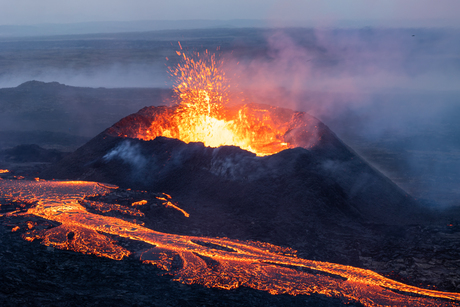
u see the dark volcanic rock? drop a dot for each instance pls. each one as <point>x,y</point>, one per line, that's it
<point>321,201</point>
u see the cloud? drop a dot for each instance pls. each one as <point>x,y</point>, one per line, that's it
<point>380,12</point>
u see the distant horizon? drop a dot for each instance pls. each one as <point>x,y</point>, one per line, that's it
<point>418,13</point>
<point>281,22</point>
<point>123,26</point>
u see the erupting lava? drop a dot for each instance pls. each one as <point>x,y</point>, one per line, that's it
<point>205,114</point>
<point>212,262</point>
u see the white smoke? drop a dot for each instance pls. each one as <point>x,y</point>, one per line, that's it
<point>128,153</point>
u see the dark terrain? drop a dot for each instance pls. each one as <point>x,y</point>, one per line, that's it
<point>36,275</point>
<point>69,115</point>
<point>326,202</point>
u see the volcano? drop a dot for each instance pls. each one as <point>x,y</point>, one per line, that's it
<point>226,217</point>
<point>319,201</point>
<point>258,162</point>
<point>290,198</point>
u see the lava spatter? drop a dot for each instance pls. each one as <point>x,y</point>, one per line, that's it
<point>203,112</point>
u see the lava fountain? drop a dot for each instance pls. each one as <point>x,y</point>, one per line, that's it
<point>204,112</point>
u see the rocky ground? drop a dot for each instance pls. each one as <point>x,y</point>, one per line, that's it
<point>426,256</point>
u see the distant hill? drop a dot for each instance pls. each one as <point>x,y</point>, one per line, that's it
<point>77,111</point>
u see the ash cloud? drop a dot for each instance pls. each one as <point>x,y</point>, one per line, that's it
<point>386,79</point>
<point>299,63</point>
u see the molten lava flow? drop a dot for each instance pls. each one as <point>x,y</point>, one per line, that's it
<point>212,262</point>
<point>101,207</point>
<point>203,113</point>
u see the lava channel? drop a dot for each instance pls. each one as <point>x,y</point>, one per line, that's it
<point>212,262</point>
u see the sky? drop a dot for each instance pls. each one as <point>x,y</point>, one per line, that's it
<point>322,12</point>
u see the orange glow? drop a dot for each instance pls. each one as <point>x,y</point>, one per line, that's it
<point>104,208</point>
<point>3,171</point>
<point>139,203</point>
<point>167,204</point>
<point>204,113</point>
<point>261,266</point>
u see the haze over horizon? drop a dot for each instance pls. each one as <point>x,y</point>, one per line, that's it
<point>273,13</point>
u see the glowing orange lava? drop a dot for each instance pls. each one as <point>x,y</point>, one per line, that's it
<point>169,204</point>
<point>236,263</point>
<point>139,203</point>
<point>4,171</point>
<point>204,114</point>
